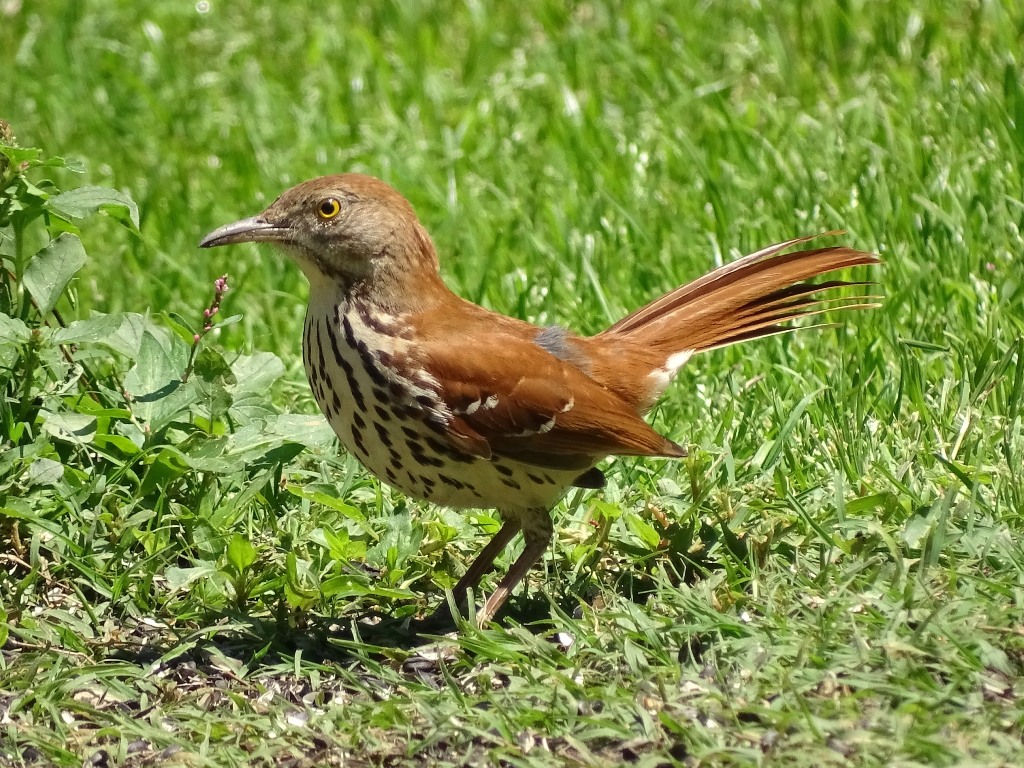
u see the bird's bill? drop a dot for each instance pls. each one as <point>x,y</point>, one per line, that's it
<point>253,230</point>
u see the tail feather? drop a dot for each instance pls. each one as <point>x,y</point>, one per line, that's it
<point>724,273</point>
<point>770,319</point>
<point>752,297</point>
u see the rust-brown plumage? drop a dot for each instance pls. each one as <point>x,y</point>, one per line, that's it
<point>465,407</point>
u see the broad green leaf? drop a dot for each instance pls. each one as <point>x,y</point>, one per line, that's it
<point>51,269</point>
<point>117,442</point>
<point>165,405</point>
<point>211,366</point>
<point>917,528</point>
<point>241,554</point>
<point>254,439</point>
<point>121,332</point>
<point>22,454</point>
<point>180,326</point>
<point>335,541</point>
<point>606,509</point>
<point>257,372</point>
<point>30,155</point>
<point>310,493</point>
<point>74,427</point>
<point>339,544</point>
<point>250,445</point>
<point>254,486</point>
<point>84,201</point>
<point>213,379</point>
<point>127,340</point>
<point>867,503</point>
<point>349,585</point>
<point>22,510</point>
<point>399,541</point>
<point>199,451</point>
<point>231,320</point>
<point>18,155</point>
<point>45,471</point>
<point>93,408</point>
<point>7,245</point>
<point>643,530</point>
<point>306,429</point>
<point>180,578</point>
<point>13,330</point>
<point>25,202</point>
<point>131,431</point>
<point>101,329</point>
<point>296,592</point>
<point>165,468</point>
<point>254,374</point>
<point>344,586</point>
<point>154,382</point>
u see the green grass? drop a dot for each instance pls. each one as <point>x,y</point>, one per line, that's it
<point>835,576</point>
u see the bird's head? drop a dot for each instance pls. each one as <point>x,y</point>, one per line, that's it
<point>346,230</point>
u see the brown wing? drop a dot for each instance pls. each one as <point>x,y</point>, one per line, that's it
<point>526,404</point>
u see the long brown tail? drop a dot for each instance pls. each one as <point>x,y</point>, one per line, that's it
<point>755,296</point>
<point>751,297</point>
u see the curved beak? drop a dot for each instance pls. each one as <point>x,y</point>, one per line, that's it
<point>253,230</point>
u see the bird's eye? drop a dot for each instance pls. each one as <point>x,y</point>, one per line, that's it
<point>328,209</point>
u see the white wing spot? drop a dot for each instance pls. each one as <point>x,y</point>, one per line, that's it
<point>546,426</point>
<point>477,405</point>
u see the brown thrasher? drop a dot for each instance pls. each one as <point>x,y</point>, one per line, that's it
<point>465,407</point>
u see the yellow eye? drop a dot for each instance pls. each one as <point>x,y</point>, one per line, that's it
<point>328,209</point>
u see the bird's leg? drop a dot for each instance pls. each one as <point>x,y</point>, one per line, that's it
<point>477,569</point>
<point>537,530</point>
<point>484,562</point>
